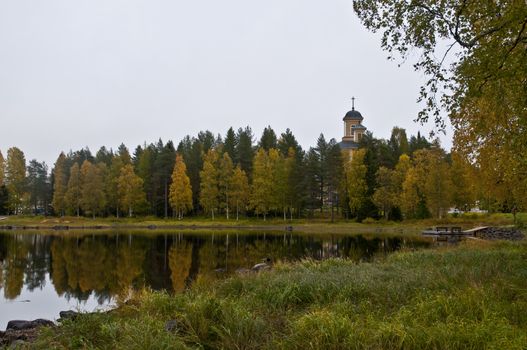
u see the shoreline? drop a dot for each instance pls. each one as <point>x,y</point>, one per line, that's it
<point>425,288</point>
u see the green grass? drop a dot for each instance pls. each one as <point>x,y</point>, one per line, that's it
<point>469,297</point>
<point>314,225</point>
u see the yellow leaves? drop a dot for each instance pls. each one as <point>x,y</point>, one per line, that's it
<point>130,189</point>
<point>180,189</point>
<point>355,171</point>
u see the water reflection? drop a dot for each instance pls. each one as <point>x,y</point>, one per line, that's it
<point>102,266</point>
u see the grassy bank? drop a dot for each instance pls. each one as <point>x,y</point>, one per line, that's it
<point>318,225</point>
<point>469,297</point>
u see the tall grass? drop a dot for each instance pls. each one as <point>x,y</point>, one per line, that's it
<point>470,297</point>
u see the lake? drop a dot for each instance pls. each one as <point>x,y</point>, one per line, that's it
<point>42,274</point>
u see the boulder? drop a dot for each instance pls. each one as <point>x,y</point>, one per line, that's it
<point>69,314</point>
<point>19,325</point>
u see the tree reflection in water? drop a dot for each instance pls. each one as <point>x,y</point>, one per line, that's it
<point>106,265</point>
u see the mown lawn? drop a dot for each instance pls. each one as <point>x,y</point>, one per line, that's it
<point>473,296</point>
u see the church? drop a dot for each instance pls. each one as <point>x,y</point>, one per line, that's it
<point>353,130</point>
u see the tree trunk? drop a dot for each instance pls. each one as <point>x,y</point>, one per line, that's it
<point>166,197</point>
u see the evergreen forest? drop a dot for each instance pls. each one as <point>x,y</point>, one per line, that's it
<point>238,175</point>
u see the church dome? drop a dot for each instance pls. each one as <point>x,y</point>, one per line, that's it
<point>353,115</point>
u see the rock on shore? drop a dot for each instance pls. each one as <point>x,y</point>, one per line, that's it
<point>495,233</point>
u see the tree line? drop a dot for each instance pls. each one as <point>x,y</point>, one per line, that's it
<point>232,176</point>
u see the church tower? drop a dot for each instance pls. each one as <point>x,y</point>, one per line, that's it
<point>353,130</point>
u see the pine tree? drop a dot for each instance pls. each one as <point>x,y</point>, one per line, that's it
<point>72,197</point>
<point>239,190</point>
<point>15,178</point>
<point>92,189</point>
<point>60,184</point>
<point>37,185</point>
<point>209,196</point>
<point>180,190</point>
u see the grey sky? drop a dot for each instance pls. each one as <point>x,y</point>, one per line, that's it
<point>101,72</point>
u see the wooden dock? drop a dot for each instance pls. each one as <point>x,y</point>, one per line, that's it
<point>452,231</point>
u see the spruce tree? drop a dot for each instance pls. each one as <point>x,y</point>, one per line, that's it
<point>245,151</point>
<point>230,144</point>
<point>268,139</point>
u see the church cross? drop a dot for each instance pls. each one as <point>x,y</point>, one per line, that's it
<point>353,103</point>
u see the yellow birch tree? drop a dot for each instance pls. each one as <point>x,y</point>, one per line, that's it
<point>180,190</point>
<point>130,189</point>
<point>209,195</point>
<point>239,191</point>
<point>355,171</point>
<point>72,197</point>
<point>15,178</point>
<point>60,185</point>
<point>92,189</point>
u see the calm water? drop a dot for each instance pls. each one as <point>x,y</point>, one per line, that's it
<point>41,275</point>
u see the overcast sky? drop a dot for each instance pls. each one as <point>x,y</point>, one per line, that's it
<point>101,72</point>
